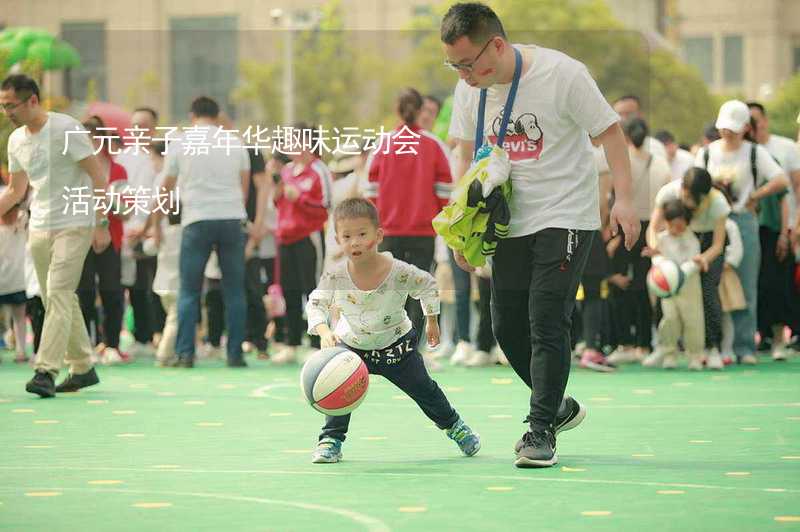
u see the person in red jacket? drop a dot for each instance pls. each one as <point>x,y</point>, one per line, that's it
<point>302,198</point>
<point>409,182</point>
<point>105,264</point>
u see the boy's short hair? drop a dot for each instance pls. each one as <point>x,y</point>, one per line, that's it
<point>205,107</point>
<point>674,209</point>
<point>356,208</point>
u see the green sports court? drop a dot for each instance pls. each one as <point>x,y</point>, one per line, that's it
<point>219,449</point>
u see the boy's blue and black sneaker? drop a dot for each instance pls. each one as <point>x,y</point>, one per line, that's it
<point>468,441</point>
<point>329,451</point>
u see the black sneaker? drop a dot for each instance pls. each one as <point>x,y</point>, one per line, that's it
<point>42,385</point>
<point>181,362</point>
<point>567,418</point>
<point>236,362</point>
<point>538,449</point>
<point>73,382</point>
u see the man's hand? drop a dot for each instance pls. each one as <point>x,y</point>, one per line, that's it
<point>622,214</point>
<point>432,331</point>
<point>101,239</point>
<point>462,262</point>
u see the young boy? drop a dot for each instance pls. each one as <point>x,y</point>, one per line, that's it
<point>683,312</point>
<point>369,291</point>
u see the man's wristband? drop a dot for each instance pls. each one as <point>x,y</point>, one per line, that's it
<point>102,223</point>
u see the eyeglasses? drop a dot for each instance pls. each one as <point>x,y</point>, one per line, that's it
<point>467,67</point>
<point>6,107</point>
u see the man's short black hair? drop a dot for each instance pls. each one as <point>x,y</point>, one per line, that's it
<point>23,85</point>
<point>205,107</point>
<point>664,136</point>
<point>150,110</point>
<point>474,20</point>
<point>757,105</point>
<point>629,97</point>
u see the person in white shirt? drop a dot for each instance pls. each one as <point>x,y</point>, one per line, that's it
<point>630,106</point>
<point>369,292</point>
<point>13,237</point>
<point>557,114</point>
<point>683,312</point>
<point>138,269</point>
<point>679,160</point>
<point>749,174</point>
<point>778,300</point>
<point>211,169</point>
<point>53,154</point>
<point>709,210</point>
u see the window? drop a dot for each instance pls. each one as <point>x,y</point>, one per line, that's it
<point>699,52</point>
<point>89,39</point>
<point>204,61</point>
<point>733,60</point>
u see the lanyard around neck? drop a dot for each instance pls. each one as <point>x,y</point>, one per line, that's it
<point>512,93</point>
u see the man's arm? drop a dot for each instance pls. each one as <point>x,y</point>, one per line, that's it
<point>622,214</point>
<point>102,237</point>
<point>14,192</point>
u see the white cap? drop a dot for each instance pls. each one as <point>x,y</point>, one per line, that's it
<point>733,115</point>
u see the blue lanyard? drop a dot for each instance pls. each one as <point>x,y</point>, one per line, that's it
<point>512,93</point>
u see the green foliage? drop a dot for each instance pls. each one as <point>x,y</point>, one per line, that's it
<point>783,108</point>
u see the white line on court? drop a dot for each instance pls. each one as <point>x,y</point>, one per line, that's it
<point>370,523</point>
<point>451,476</point>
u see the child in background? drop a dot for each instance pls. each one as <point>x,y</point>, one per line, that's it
<point>683,312</point>
<point>370,290</point>
<point>13,239</point>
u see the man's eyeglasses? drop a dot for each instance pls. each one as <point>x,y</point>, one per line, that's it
<point>6,107</point>
<point>467,67</point>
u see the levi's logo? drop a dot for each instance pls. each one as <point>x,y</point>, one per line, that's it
<point>524,137</point>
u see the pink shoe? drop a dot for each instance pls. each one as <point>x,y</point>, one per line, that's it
<point>595,361</point>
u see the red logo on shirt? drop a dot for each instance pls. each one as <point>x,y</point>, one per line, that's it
<point>524,138</point>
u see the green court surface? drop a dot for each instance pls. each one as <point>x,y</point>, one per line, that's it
<point>214,448</point>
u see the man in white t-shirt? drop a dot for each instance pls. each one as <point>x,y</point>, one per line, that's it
<point>679,159</point>
<point>630,106</point>
<point>778,303</point>
<point>53,154</point>
<point>557,113</point>
<point>211,169</point>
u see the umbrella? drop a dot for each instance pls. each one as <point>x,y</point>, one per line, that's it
<point>112,115</point>
<point>54,55</point>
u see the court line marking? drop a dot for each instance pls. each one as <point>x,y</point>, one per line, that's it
<point>400,475</point>
<point>370,523</point>
<point>263,391</point>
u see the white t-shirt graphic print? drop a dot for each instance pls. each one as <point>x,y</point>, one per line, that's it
<point>557,108</point>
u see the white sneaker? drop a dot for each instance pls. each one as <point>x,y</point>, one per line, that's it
<point>779,354</point>
<point>443,351</point>
<point>248,347</point>
<point>696,363</point>
<point>500,356</point>
<point>138,350</point>
<point>654,359</point>
<point>461,354</point>
<point>479,359</point>
<point>622,356</point>
<point>208,351</point>
<point>749,360</point>
<point>287,355</point>
<point>670,362</point>
<point>714,361</point>
<point>111,357</point>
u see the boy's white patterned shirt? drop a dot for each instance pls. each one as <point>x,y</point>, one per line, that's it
<point>371,319</point>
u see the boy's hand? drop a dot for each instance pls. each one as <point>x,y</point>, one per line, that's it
<point>432,331</point>
<point>328,340</point>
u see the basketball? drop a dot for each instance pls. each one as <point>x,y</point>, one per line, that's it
<point>665,278</point>
<point>334,381</point>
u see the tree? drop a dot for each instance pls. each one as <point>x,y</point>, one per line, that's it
<point>673,95</point>
<point>783,108</point>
